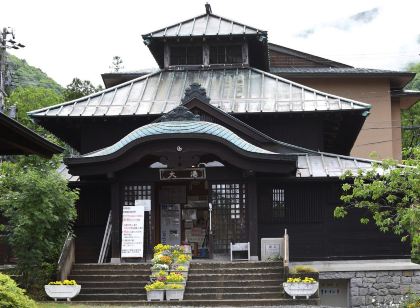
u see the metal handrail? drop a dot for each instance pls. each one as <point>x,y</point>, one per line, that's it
<point>67,257</point>
<point>286,252</point>
<point>106,240</point>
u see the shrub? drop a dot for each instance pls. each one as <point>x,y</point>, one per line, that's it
<point>11,296</point>
<point>299,269</point>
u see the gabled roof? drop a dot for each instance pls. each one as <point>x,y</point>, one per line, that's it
<point>16,139</point>
<point>204,25</point>
<point>306,56</point>
<point>233,90</point>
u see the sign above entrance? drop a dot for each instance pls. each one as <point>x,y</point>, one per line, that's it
<point>182,174</point>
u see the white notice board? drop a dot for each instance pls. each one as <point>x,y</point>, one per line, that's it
<point>132,232</point>
<point>147,203</point>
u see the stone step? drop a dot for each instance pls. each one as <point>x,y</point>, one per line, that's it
<point>103,266</point>
<point>234,277</point>
<point>259,295</point>
<point>134,271</point>
<point>113,284</point>
<point>139,289</point>
<point>84,278</point>
<point>258,270</point>
<point>223,265</point>
<point>209,303</point>
<point>249,283</point>
<point>110,297</point>
<point>233,289</point>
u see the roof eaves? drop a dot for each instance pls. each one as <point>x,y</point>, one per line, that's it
<point>33,113</point>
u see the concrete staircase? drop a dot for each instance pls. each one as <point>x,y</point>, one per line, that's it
<point>209,284</point>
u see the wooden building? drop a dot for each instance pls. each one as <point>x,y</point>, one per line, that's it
<point>216,124</point>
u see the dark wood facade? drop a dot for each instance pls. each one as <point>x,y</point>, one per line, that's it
<point>258,161</point>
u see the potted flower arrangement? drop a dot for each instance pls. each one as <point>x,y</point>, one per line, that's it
<point>159,267</point>
<point>159,276</point>
<point>181,269</point>
<point>161,259</point>
<point>155,291</point>
<point>66,289</point>
<point>175,278</point>
<point>183,260</point>
<point>174,291</point>
<point>300,287</point>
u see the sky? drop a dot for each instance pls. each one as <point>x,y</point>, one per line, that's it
<point>79,38</point>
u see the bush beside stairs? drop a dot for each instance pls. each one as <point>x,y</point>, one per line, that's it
<point>209,284</point>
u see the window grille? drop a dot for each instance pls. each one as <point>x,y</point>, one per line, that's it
<point>229,215</point>
<point>278,204</point>
<point>226,54</point>
<point>136,192</point>
<point>186,55</point>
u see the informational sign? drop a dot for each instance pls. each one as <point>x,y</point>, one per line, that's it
<point>183,174</point>
<point>272,248</point>
<point>146,203</point>
<point>132,232</point>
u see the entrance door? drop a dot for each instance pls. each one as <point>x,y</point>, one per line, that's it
<point>184,215</point>
<point>229,222</point>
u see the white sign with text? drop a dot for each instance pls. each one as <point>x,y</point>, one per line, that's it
<point>132,232</point>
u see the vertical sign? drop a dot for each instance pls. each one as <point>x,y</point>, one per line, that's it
<point>132,232</point>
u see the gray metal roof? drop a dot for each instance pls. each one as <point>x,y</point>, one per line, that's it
<point>330,165</point>
<point>334,70</point>
<point>181,127</point>
<point>233,90</point>
<point>204,25</point>
<point>64,172</point>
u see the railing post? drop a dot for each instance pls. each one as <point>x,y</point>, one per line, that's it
<point>286,252</point>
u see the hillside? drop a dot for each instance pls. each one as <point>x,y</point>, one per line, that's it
<point>24,74</point>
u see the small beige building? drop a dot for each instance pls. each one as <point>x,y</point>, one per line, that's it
<point>383,89</point>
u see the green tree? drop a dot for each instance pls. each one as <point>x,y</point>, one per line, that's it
<point>30,98</point>
<point>390,196</point>
<point>40,210</point>
<point>79,88</point>
<point>411,117</point>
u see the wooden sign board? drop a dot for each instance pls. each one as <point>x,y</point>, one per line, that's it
<point>132,238</point>
<point>182,174</point>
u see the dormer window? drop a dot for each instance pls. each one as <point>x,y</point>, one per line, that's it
<point>226,54</point>
<point>186,55</point>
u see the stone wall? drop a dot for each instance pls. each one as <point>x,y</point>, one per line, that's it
<point>377,288</point>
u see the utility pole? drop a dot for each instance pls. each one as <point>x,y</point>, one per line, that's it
<point>7,41</point>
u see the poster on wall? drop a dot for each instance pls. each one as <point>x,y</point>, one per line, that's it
<point>132,232</point>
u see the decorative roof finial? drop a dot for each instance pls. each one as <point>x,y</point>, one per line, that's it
<point>195,91</point>
<point>208,8</point>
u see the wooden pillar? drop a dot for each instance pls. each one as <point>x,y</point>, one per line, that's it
<point>253,217</point>
<point>116,222</point>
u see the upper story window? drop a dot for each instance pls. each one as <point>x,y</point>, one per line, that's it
<point>186,55</point>
<point>226,54</point>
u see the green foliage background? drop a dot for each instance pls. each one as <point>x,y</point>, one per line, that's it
<point>25,75</point>
<point>40,211</point>
<point>411,117</point>
<point>11,296</point>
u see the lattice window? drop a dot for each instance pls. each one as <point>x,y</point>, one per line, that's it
<point>229,215</point>
<point>278,204</point>
<point>186,55</point>
<point>136,192</point>
<point>226,54</point>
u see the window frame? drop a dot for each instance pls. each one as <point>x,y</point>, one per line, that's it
<point>185,46</point>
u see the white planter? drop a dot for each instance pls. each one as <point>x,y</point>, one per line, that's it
<point>300,289</point>
<point>62,292</point>
<point>155,295</point>
<point>175,294</point>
